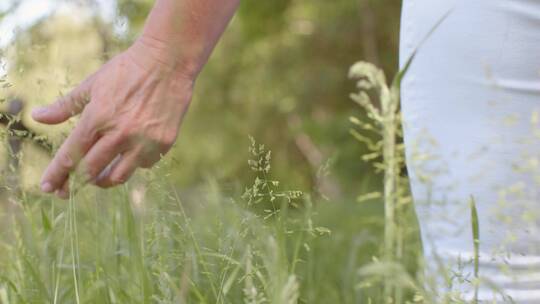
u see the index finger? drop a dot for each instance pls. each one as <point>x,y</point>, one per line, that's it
<point>68,156</point>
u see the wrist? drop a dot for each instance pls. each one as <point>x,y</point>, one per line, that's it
<point>151,53</point>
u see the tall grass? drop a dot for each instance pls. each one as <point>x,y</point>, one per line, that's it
<point>115,247</point>
<point>150,242</point>
<point>382,134</point>
<point>381,102</point>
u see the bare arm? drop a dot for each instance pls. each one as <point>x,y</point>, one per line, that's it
<point>185,32</point>
<point>131,109</point>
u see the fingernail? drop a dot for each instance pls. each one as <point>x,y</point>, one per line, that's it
<point>46,187</point>
<point>39,110</point>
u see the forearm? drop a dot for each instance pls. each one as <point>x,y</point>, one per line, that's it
<point>181,34</point>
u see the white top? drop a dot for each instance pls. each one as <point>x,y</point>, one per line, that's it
<point>471,109</point>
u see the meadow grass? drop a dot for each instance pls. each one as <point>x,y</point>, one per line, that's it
<point>262,245</point>
<point>150,242</point>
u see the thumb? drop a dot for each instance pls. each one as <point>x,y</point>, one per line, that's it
<point>65,107</point>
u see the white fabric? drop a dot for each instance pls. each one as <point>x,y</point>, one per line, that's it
<point>471,110</point>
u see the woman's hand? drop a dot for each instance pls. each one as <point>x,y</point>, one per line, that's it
<point>131,110</point>
<point>132,107</point>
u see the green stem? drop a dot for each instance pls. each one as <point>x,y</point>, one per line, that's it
<point>389,156</point>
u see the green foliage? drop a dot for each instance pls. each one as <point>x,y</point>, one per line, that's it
<point>386,151</point>
<point>203,227</point>
<point>276,74</point>
<point>120,249</point>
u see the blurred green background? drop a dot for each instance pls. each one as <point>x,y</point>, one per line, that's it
<point>278,74</point>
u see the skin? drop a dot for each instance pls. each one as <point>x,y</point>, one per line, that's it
<point>132,107</point>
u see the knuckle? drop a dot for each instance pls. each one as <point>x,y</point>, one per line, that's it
<point>125,133</point>
<point>77,104</point>
<point>87,140</point>
<point>91,171</point>
<point>169,140</point>
<point>123,136</point>
<point>64,101</point>
<point>115,141</point>
<point>165,142</point>
<point>66,161</point>
<point>118,179</point>
<point>89,131</point>
<point>147,164</point>
<point>92,116</point>
<point>161,136</point>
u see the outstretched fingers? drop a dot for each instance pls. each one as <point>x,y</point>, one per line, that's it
<point>68,156</point>
<point>120,171</point>
<point>101,155</point>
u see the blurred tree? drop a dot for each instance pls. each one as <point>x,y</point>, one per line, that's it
<point>278,74</point>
